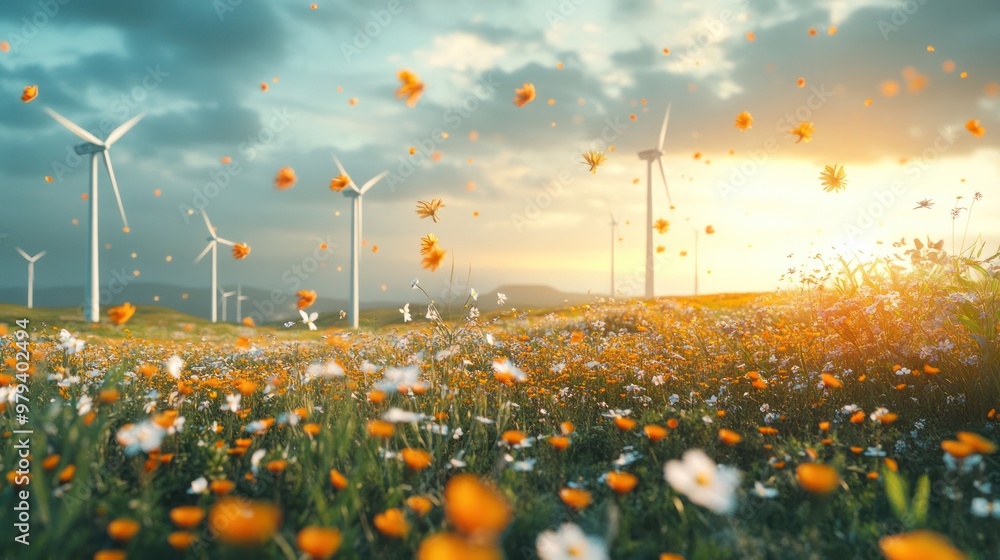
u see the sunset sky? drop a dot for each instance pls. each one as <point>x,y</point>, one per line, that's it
<point>196,69</point>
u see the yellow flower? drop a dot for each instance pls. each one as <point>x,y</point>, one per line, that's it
<point>429,209</point>
<point>524,95</point>
<point>594,160</point>
<point>833,178</point>
<point>744,120</point>
<point>661,226</point>
<point>411,87</point>
<point>433,259</point>
<point>804,131</point>
<point>121,314</point>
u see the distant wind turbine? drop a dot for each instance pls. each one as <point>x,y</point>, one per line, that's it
<point>240,298</point>
<point>651,155</point>
<point>213,245</point>
<point>93,146</point>
<point>31,274</point>
<point>356,194</point>
<point>614,230</point>
<point>225,296</point>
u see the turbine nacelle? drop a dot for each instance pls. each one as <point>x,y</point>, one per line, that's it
<point>88,148</point>
<point>650,155</point>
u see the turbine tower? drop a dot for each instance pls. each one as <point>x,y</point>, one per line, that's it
<point>651,155</point>
<point>213,245</point>
<point>356,195</point>
<point>31,274</point>
<point>240,298</point>
<point>94,147</point>
<point>614,229</point>
<point>225,296</point>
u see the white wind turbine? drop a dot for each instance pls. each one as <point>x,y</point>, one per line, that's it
<point>240,298</point>
<point>614,231</point>
<point>93,146</point>
<point>31,274</point>
<point>213,245</point>
<point>651,155</point>
<point>225,296</point>
<point>356,194</point>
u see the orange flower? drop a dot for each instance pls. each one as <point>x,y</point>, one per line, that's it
<point>744,120</point>
<point>831,381</point>
<point>392,523</point>
<point>285,179</point>
<point>339,183</point>
<point>276,466</point>
<point>31,92</point>
<point>594,160</point>
<point>524,95</point>
<point>931,370</point>
<point>767,431</point>
<point>108,396</point>
<point>123,529</point>
<point>804,131</point>
<point>433,259</point>
<point>121,314</point>
<point>670,556</point>
<point>661,226</point>
<point>624,424</point>
<point>187,517</point>
<point>559,442</point>
<point>243,523</point>
<point>977,442</point>
<point>575,498</point>
<point>221,487</point>
<point>729,437</point>
<point>824,426</point>
<point>66,475</point>
<point>566,428</point>
<point>513,437</point>
<point>972,126</point>
<point>957,449</point>
<point>446,546</point>
<point>411,87</point>
<point>376,396</point>
<point>416,459</point>
<point>833,178</point>
<point>419,504</point>
<point>429,209</point>
<point>858,417</point>
<point>817,478</point>
<point>319,543</point>
<point>654,432</point>
<point>306,298</point>
<point>919,545</point>
<point>109,554</point>
<point>475,508</point>
<point>672,423</point>
<point>240,251</point>
<point>249,322</point>
<point>181,540</point>
<point>622,483</point>
<point>380,428</point>
<point>709,230</point>
<point>891,464</point>
<point>337,479</point>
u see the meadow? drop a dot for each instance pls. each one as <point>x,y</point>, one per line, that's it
<point>853,416</point>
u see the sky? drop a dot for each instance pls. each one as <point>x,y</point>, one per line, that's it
<point>521,207</point>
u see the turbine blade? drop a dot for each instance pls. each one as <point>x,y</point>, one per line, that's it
<point>371,182</point>
<point>121,130</point>
<point>664,175</point>
<point>114,184</point>
<point>205,252</point>
<point>23,254</point>
<point>344,173</point>
<point>74,128</point>
<point>38,256</point>
<point>663,129</point>
<point>224,241</point>
<point>208,224</point>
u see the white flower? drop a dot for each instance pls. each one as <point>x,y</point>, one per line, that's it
<point>394,378</point>
<point>764,491</point>
<point>473,294</point>
<point>473,313</point>
<point>232,402</point>
<point>673,399</point>
<point>174,365</point>
<point>198,486</point>
<point>703,482</point>
<point>501,298</point>
<point>83,405</point>
<point>981,507</point>
<point>484,420</point>
<point>432,314</point>
<point>145,436</point>
<point>505,367</point>
<point>309,318</point>
<point>69,343</point>
<point>325,370</point>
<point>878,414</point>
<point>657,380</point>
<point>570,543</point>
<point>255,459</point>
<point>414,283</point>
<point>398,415</point>
<point>406,313</point>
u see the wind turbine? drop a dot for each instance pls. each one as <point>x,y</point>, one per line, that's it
<point>651,155</point>
<point>356,194</point>
<point>240,298</point>
<point>31,274</point>
<point>225,296</point>
<point>93,146</point>
<point>213,245</point>
<point>614,229</point>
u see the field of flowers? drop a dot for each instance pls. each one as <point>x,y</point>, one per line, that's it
<point>856,421</point>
